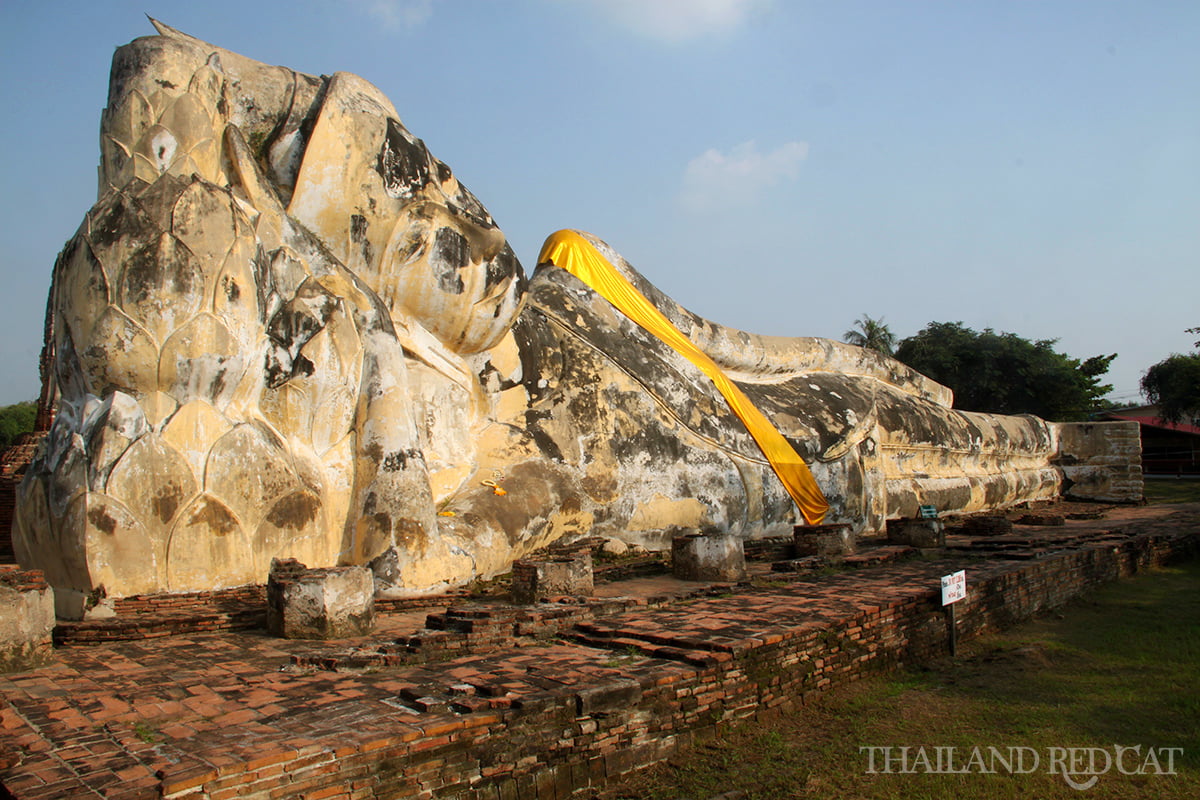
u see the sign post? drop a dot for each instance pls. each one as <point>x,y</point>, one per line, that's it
<point>954,588</point>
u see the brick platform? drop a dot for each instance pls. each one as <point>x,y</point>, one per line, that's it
<point>536,706</point>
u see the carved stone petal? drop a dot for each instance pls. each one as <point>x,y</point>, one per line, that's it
<point>188,120</point>
<point>157,147</point>
<point>295,527</point>
<point>161,286</point>
<point>201,360</point>
<point>208,85</point>
<point>116,164</point>
<point>69,547</point>
<point>192,432</point>
<point>120,555</point>
<point>335,417</point>
<point>70,478</point>
<point>158,407</point>
<point>82,285</point>
<point>127,120</point>
<point>203,220</point>
<point>235,292</point>
<point>208,549</point>
<point>287,272</point>
<point>289,408</point>
<point>249,468</point>
<point>154,482</point>
<point>120,356</point>
<point>119,422</point>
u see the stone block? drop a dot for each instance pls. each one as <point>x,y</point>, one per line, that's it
<point>708,557</point>
<point>987,525</point>
<point>326,603</point>
<point>72,604</point>
<point>563,575</point>
<point>26,620</point>
<point>828,541</point>
<point>917,532</point>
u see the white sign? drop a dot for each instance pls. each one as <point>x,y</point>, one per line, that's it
<point>954,587</point>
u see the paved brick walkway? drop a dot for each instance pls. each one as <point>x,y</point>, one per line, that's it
<point>152,718</point>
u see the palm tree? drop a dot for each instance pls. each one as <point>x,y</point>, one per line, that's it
<point>872,334</point>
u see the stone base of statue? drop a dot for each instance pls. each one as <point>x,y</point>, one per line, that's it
<point>26,620</point>
<point>917,532</point>
<point>565,575</point>
<point>827,541</point>
<point>708,557</point>
<point>327,603</point>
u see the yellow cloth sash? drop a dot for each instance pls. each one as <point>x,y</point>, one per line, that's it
<point>572,252</point>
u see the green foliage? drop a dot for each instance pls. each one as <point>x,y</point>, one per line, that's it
<point>872,334</point>
<point>1003,373</point>
<point>15,420</point>
<point>1173,384</point>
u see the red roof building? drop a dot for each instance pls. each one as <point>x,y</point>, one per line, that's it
<point>1168,448</point>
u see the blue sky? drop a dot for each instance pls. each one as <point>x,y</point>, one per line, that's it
<point>782,167</point>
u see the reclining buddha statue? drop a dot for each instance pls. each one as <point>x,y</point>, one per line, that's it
<point>285,329</point>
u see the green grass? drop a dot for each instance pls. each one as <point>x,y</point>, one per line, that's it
<point>1118,667</point>
<point>1172,490</point>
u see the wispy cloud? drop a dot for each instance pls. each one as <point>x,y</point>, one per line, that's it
<point>741,177</point>
<point>398,14</point>
<point>680,20</point>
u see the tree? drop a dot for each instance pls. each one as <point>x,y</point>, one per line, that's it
<point>872,334</point>
<point>1003,373</point>
<point>15,420</point>
<point>1173,385</point>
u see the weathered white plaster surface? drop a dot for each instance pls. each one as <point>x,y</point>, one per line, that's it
<point>286,330</point>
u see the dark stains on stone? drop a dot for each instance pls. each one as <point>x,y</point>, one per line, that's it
<point>166,502</point>
<point>408,533</point>
<point>101,519</point>
<point>541,437</point>
<point>294,512</point>
<point>229,285</point>
<point>215,517</point>
<point>502,268</point>
<point>161,268</point>
<point>263,282</point>
<point>398,459</point>
<point>541,355</point>
<point>411,247</point>
<point>451,252</point>
<point>466,204</point>
<point>292,327</point>
<point>403,162</point>
<point>358,236</point>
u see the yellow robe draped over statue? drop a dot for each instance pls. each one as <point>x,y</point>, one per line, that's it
<point>570,251</point>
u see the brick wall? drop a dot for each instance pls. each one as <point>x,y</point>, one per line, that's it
<point>1100,460</point>
<point>13,462</point>
<point>551,744</point>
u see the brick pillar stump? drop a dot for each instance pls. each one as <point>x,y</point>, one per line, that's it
<point>26,620</point>
<point>828,541</point>
<point>917,532</point>
<point>326,603</point>
<point>708,557</point>
<point>565,575</point>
